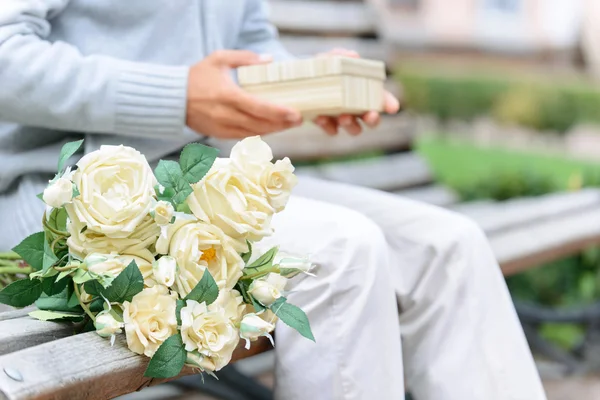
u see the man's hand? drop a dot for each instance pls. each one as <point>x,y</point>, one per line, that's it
<point>350,122</point>
<point>217,107</point>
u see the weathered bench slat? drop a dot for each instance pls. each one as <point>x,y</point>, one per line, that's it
<point>438,195</point>
<point>322,16</point>
<point>21,333</point>
<point>397,171</point>
<point>82,367</point>
<point>507,215</point>
<point>310,142</point>
<point>543,241</point>
<point>13,313</point>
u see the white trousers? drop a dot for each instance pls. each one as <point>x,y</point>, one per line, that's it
<point>405,292</point>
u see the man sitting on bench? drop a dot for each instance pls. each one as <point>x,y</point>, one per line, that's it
<point>404,291</point>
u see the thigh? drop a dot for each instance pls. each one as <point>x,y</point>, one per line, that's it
<point>398,217</point>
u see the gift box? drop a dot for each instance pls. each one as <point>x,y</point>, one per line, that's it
<point>318,86</point>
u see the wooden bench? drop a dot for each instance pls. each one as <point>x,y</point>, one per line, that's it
<point>35,363</point>
<point>43,360</point>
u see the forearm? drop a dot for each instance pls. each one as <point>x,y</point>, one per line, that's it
<point>52,85</point>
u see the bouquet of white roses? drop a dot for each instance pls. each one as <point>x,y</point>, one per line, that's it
<point>164,257</point>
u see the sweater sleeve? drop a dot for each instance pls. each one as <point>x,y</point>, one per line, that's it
<point>54,86</point>
<point>258,34</point>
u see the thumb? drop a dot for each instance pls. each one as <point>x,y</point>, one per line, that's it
<point>240,58</point>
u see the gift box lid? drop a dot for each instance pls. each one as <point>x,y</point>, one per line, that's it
<point>310,68</point>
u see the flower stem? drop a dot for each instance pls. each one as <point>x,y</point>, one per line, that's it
<point>82,304</point>
<point>10,255</point>
<point>51,229</point>
<point>14,270</point>
<point>66,268</point>
<point>260,272</point>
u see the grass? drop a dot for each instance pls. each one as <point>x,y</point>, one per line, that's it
<point>458,164</point>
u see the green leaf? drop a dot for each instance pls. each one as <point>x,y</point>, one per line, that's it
<point>40,196</point>
<point>168,173</point>
<point>76,192</point>
<point>169,359</point>
<point>58,302</point>
<point>21,293</point>
<point>182,194</point>
<point>32,250</point>
<point>264,260</point>
<point>180,305</point>
<point>58,219</point>
<point>196,160</point>
<point>205,291</point>
<point>184,208</point>
<point>73,300</point>
<point>52,285</point>
<point>44,315</point>
<point>93,287</point>
<point>63,275</point>
<point>97,305</point>
<point>49,258</point>
<point>293,317</point>
<point>82,276</point>
<point>257,306</point>
<point>126,285</point>
<point>166,195</point>
<point>66,152</point>
<point>246,256</point>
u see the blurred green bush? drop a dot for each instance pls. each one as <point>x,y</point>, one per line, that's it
<point>543,104</point>
<point>507,185</point>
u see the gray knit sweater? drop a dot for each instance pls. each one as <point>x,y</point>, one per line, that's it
<point>114,71</point>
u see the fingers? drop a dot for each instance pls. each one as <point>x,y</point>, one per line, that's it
<point>391,105</point>
<point>239,58</point>
<point>261,126</point>
<point>371,119</point>
<point>328,124</point>
<point>350,124</point>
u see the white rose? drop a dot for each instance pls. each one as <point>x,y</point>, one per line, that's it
<point>268,289</point>
<point>225,197</point>
<point>83,241</point>
<point>104,264</point>
<point>164,270</point>
<point>113,264</point>
<point>251,155</point>
<point>150,319</point>
<point>291,266</point>
<point>198,246</point>
<point>197,360</point>
<point>232,303</point>
<point>208,330</point>
<point>253,326</point>
<point>106,324</point>
<point>163,213</point>
<point>266,315</point>
<point>58,193</point>
<point>117,191</point>
<point>278,180</point>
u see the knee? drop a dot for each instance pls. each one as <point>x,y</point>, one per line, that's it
<point>445,231</point>
<point>353,246</point>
